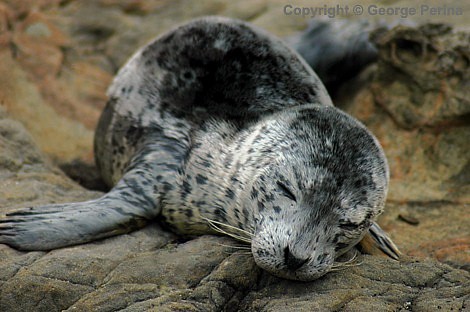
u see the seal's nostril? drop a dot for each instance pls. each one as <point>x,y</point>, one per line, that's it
<point>292,262</point>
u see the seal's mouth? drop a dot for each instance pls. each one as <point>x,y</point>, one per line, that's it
<point>306,272</point>
<point>291,264</point>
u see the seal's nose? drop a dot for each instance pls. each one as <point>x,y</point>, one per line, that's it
<point>292,262</point>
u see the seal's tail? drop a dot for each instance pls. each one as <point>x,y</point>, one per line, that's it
<point>376,241</point>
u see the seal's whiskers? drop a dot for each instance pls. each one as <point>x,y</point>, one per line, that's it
<point>244,236</point>
<point>353,261</point>
<point>236,247</point>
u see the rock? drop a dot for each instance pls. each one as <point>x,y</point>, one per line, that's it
<point>416,103</point>
<point>442,232</point>
<point>420,112</point>
<point>376,284</point>
<point>22,98</point>
<point>38,89</point>
<point>422,74</point>
<point>26,177</point>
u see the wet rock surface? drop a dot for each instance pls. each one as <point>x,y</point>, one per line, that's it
<point>57,58</point>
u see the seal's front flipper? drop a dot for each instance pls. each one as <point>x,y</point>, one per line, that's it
<point>54,226</point>
<point>376,241</point>
<point>129,205</point>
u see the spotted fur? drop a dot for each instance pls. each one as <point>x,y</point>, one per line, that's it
<point>218,125</point>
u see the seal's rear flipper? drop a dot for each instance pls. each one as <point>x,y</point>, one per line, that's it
<point>339,49</point>
<point>336,50</point>
<point>376,241</point>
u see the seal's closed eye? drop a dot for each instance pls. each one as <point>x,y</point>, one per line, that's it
<point>286,192</point>
<point>341,246</point>
<point>348,226</point>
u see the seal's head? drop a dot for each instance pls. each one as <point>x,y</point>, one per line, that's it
<point>320,194</point>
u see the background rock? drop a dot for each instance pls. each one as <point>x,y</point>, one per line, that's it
<point>415,100</point>
<point>58,57</point>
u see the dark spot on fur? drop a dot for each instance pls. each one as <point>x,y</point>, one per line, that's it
<point>321,257</point>
<point>229,193</point>
<point>167,187</point>
<point>200,179</point>
<point>186,189</point>
<point>254,193</point>
<point>270,197</point>
<point>220,213</point>
<point>245,213</point>
<point>199,203</point>
<point>188,75</point>
<point>206,164</point>
<point>359,183</point>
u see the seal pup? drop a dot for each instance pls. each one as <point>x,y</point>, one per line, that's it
<point>217,126</point>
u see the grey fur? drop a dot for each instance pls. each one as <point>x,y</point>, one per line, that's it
<point>217,124</point>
